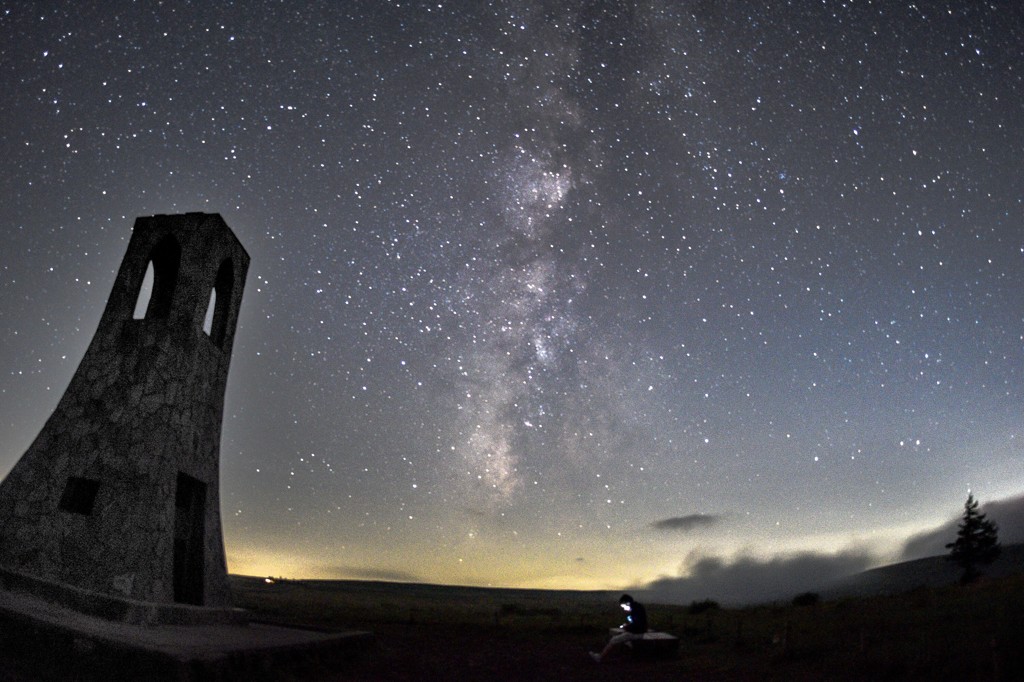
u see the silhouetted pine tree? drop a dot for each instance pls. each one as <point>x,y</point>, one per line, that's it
<point>977,541</point>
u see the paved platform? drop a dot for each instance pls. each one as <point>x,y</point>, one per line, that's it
<point>59,643</point>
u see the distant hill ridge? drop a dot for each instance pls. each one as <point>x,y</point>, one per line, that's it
<point>934,571</point>
<point>410,590</point>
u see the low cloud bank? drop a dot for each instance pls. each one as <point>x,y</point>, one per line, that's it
<point>685,524</point>
<point>1008,515</point>
<point>750,580</point>
<point>359,573</point>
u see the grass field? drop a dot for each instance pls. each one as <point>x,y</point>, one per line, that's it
<point>438,633</point>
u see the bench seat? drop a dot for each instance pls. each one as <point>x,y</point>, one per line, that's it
<point>652,642</point>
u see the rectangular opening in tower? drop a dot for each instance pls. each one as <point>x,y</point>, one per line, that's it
<point>189,539</point>
<point>79,495</point>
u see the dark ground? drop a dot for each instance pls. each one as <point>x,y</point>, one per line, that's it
<point>440,633</point>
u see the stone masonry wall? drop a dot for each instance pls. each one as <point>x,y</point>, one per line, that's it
<point>144,406</point>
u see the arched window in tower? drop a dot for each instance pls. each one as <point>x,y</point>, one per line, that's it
<point>157,289</point>
<point>145,294</point>
<point>220,304</point>
<point>208,320</point>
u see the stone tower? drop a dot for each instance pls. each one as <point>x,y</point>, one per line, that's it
<point>119,493</point>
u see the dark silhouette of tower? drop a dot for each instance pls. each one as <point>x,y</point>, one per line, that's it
<point>118,494</point>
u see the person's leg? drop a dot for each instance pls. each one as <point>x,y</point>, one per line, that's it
<point>613,643</point>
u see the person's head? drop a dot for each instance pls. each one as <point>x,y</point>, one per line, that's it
<point>626,602</point>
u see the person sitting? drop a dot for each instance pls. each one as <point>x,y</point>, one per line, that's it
<point>634,627</point>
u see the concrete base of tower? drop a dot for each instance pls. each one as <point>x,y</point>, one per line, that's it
<point>118,609</point>
<point>40,639</point>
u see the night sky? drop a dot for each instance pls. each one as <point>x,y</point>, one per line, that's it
<point>549,294</point>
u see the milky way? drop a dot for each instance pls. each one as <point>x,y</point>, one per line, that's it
<point>549,294</point>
